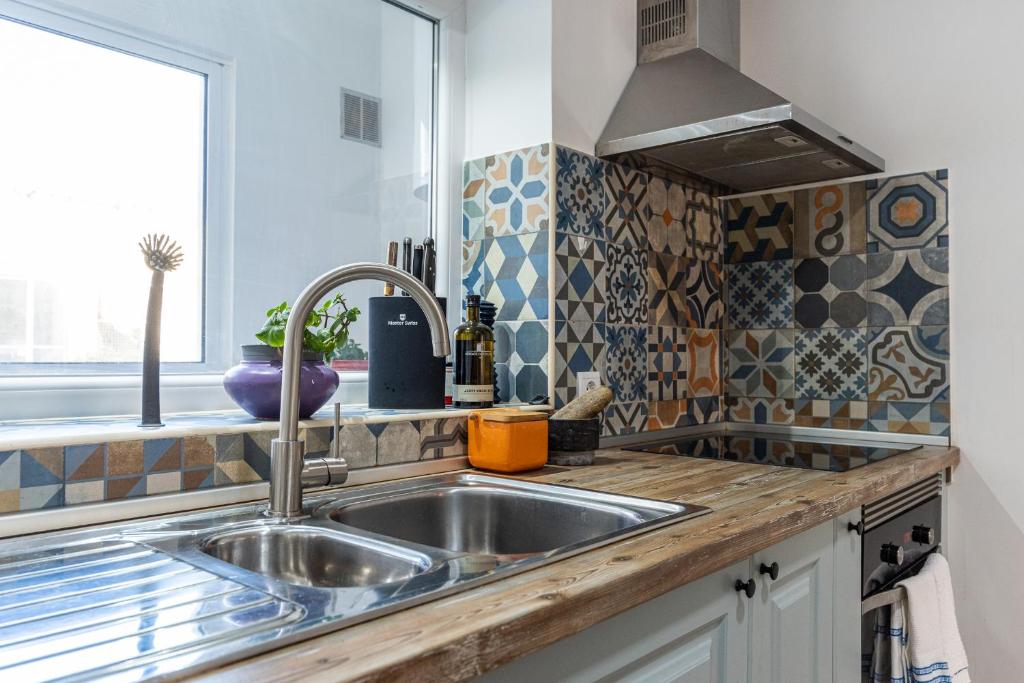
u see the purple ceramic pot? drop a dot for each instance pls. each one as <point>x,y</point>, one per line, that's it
<point>255,383</point>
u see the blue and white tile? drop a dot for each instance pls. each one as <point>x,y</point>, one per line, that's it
<point>516,276</point>
<point>908,287</point>
<point>581,278</point>
<point>908,363</point>
<point>908,212</point>
<point>579,347</point>
<point>624,418</point>
<point>760,295</point>
<point>626,366</point>
<point>626,205</point>
<point>831,363</point>
<point>516,199</point>
<point>474,187</point>
<point>626,290</point>
<point>580,194</point>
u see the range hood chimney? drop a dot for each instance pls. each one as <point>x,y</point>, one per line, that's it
<point>688,108</point>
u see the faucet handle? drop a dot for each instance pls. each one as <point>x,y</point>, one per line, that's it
<point>335,443</point>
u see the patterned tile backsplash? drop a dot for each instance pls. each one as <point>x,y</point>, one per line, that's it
<point>855,276</point>
<point>60,475</point>
<point>638,280</point>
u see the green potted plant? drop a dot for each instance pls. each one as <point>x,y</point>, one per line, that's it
<point>255,383</point>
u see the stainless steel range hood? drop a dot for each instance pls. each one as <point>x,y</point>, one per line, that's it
<point>688,108</point>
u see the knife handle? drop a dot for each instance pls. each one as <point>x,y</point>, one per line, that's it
<point>417,262</point>
<point>406,258</point>
<point>389,289</point>
<point>429,264</point>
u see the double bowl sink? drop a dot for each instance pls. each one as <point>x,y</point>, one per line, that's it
<point>394,533</point>
<point>158,598</point>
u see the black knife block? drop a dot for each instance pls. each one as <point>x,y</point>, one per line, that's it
<point>403,370</point>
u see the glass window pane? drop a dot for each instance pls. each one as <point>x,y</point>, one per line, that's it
<point>100,148</point>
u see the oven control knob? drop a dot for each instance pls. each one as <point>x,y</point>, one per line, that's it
<point>923,534</point>
<point>892,554</point>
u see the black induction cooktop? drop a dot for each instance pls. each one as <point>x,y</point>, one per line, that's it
<point>774,449</point>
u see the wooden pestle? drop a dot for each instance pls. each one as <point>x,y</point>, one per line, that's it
<point>590,404</point>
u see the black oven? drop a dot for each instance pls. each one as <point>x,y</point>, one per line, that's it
<point>898,533</point>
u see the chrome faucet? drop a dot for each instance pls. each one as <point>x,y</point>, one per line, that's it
<point>289,474</point>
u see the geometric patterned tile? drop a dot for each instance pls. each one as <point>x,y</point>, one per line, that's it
<point>257,452</point>
<point>908,287</point>
<point>666,276</point>
<point>526,382</point>
<point>198,451</point>
<point>704,306</point>
<point>76,493</point>
<point>702,222</point>
<point>830,220</point>
<point>830,291</point>
<point>760,294</point>
<point>761,363</point>
<point>704,410</point>
<point>580,278</point>
<point>41,497</point>
<point>84,463</point>
<point>760,228</point>
<point>775,411</point>
<point>398,442</point>
<point>473,253</point>
<point>835,413</point>
<point>626,205</point>
<point>831,363</point>
<point>624,418</point>
<point>443,438</point>
<point>580,195</point>
<point>529,342</point>
<point>908,212</point>
<point>41,467</point>
<point>516,276</point>
<point>908,364</point>
<point>516,195</point>
<point>905,417</point>
<point>626,287</point>
<point>161,455</point>
<point>666,363</point>
<point>579,347</point>
<point>667,414</point>
<point>473,190</point>
<point>626,363</point>
<point>359,444</point>
<point>667,204</point>
<point>703,352</point>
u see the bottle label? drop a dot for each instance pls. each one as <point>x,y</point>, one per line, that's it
<point>473,393</point>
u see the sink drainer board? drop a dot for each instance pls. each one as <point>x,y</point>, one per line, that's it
<point>159,598</point>
<point>95,609</point>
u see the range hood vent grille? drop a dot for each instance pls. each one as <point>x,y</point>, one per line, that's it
<point>660,21</point>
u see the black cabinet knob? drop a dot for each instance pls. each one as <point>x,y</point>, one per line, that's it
<point>771,570</point>
<point>748,587</point>
<point>923,534</point>
<point>858,527</point>
<point>892,554</point>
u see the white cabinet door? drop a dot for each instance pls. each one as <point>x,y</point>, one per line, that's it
<point>846,601</point>
<point>695,634</point>
<point>791,625</point>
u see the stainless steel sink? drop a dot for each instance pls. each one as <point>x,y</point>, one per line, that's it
<point>162,598</point>
<point>493,516</point>
<point>311,556</point>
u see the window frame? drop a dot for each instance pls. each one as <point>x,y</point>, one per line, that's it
<point>217,143</point>
<point>59,396</point>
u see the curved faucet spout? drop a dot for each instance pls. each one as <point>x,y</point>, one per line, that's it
<point>286,451</point>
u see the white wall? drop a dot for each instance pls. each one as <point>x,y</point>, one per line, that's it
<point>930,84</point>
<point>593,55</point>
<point>508,75</point>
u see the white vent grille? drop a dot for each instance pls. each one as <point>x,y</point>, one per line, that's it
<point>360,117</point>
<point>661,20</point>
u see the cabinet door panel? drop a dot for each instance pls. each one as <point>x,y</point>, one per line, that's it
<point>694,634</point>
<point>792,625</point>
<point>846,601</point>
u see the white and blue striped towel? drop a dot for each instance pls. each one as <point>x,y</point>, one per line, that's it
<point>918,640</point>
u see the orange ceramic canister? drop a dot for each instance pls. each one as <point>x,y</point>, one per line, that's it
<point>508,440</point>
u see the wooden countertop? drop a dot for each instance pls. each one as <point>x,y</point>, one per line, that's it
<point>458,637</point>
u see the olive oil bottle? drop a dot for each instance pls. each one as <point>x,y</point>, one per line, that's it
<point>474,360</point>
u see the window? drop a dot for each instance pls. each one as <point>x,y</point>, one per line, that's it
<point>272,141</point>
<point>99,147</point>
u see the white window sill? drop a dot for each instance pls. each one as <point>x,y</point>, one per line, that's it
<point>67,396</point>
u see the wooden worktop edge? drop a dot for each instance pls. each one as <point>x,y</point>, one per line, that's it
<point>467,634</point>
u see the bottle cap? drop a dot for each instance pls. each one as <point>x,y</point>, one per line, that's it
<point>473,299</point>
